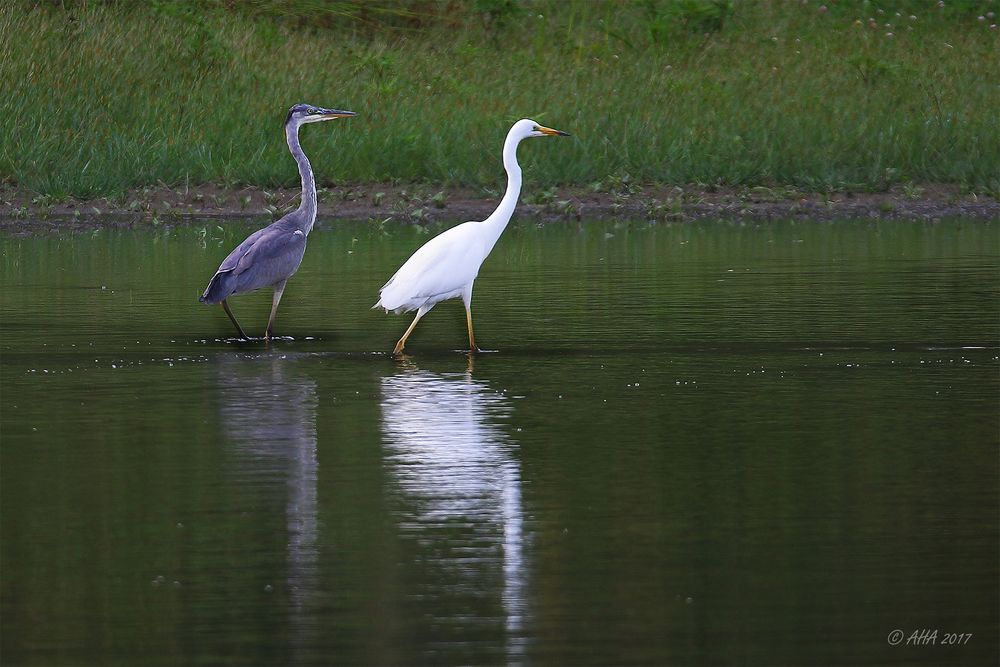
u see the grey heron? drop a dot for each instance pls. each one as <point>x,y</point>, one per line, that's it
<point>270,256</point>
<point>446,266</point>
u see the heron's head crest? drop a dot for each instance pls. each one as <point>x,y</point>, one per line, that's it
<point>308,113</point>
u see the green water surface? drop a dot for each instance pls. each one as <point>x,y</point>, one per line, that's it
<point>706,443</point>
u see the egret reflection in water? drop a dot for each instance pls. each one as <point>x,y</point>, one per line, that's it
<point>268,412</point>
<point>459,499</point>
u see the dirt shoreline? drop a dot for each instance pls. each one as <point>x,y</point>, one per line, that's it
<point>22,212</point>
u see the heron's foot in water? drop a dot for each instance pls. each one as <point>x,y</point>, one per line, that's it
<point>229,312</point>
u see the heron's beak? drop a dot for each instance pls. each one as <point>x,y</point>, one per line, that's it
<point>328,114</point>
<point>552,133</point>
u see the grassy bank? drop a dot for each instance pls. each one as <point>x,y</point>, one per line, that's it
<point>99,98</point>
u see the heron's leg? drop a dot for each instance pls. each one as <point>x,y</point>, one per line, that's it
<point>232,317</point>
<point>279,289</point>
<point>413,325</point>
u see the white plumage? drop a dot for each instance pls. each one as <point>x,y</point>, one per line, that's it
<point>437,271</point>
<point>446,266</point>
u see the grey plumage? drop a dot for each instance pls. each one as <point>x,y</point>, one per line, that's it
<point>270,256</point>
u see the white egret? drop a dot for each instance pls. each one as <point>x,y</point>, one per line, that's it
<point>446,266</point>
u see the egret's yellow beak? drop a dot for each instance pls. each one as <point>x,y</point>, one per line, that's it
<point>552,133</point>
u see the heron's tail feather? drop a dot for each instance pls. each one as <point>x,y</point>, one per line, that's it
<point>218,289</point>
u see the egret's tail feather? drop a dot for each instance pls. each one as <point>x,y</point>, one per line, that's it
<point>396,311</point>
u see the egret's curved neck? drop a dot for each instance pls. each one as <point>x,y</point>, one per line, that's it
<point>308,204</point>
<point>498,220</point>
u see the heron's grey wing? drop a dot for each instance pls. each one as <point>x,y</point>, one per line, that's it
<point>229,263</point>
<point>274,256</point>
<point>223,283</point>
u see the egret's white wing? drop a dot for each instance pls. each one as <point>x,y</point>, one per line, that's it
<point>438,270</point>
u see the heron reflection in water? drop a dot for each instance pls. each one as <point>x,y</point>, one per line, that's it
<point>459,497</point>
<point>275,445</point>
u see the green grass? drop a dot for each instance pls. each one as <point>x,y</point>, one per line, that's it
<point>103,97</point>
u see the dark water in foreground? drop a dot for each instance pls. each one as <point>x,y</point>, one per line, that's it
<point>706,443</point>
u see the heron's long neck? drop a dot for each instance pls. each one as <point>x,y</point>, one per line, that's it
<point>308,204</point>
<point>498,220</point>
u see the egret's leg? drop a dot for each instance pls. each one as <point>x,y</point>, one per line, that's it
<point>413,325</point>
<point>472,336</point>
<point>232,317</point>
<point>467,300</point>
<point>279,289</point>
